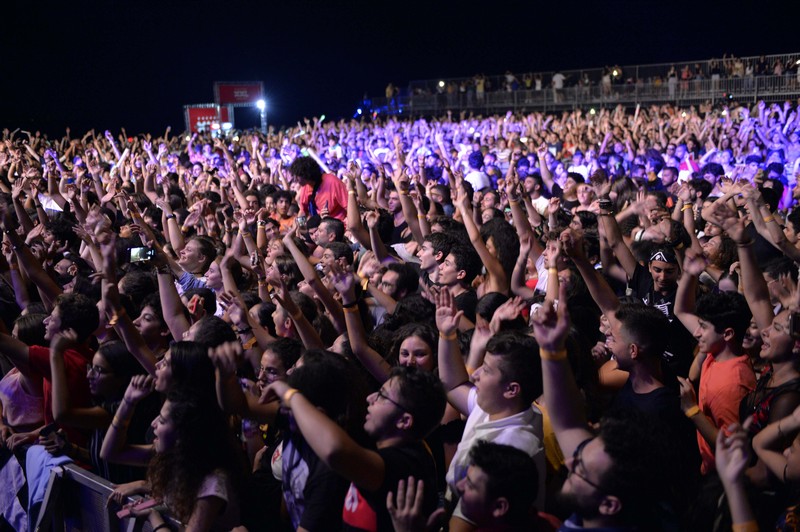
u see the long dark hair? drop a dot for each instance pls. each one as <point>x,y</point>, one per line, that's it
<point>204,444</point>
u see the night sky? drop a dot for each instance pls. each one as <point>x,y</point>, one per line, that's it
<point>135,64</point>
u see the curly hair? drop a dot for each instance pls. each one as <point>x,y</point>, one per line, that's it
<point>78,313</point>
<point>204,444</point>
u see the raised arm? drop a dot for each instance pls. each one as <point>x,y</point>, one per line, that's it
<point>63,411</point>
<point>452,370</point>
<point>561,395</point>
<point>755,287</point>
<point>497,279</point>
<point>115,444</point>
<point>378,367</point>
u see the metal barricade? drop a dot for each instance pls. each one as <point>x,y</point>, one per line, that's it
<point>76,501</point>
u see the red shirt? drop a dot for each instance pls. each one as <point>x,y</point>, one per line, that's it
<point>75,361</point>
<point>331,191</point>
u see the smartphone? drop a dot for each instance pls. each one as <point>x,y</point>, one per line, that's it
<point>141,254</point>
<point>301,222</point>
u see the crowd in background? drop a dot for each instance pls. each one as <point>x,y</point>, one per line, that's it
<point>588,319</point>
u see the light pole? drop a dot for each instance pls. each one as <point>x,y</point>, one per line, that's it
<point>262,109</point>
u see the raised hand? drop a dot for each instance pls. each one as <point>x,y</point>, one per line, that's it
<point>63,340</point>
<point>694,263</point>
<point>731,454</point>
<point>508,311</point>
<point>226,358</point>
<point>551,325</point>
<point>344,282</point>
<point>406,512</point>
<point>447,315</point>
<point>140,387</point>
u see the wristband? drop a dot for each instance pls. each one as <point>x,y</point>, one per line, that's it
<point>544,354</point>
<point>351,193</point>
<point>170,217</point>
<point>690,413</point>
<point>244,331</point>
<point>745,244</point>
<point>638,236</point>
<point>769,219</point>
<point>261,223</point>
<point>289,394</point>
<point>687,207</point>
<point>350,310</point>
<point>552,270</point>
<point>350,305</point>
<point>748,526</point>
<point>449,337</point>
<point>162,526</point>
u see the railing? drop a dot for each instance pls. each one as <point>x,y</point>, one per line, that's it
<point>750,89</point>
<point>632,84</point>
<point>76,501</point>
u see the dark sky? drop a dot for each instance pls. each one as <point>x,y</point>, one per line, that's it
<point>135,64</point>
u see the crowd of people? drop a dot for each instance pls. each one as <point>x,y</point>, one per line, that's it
<point>515,322</point>
<point>672,82</point>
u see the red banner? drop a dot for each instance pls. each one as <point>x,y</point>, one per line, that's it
<point>238,93</point>
<point>201,117</point>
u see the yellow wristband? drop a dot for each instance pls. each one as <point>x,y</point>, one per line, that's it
<point>350,192</point>
<point>544,354</point>
<point>692,411</point>
<point>749,526</point>
<point>449,337</point>
<point>769,219</point>
<point>288,395</point>
<point>686,207</point>
<point>553,271</point>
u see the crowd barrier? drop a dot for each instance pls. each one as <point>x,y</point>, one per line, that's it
<point>75,500</point>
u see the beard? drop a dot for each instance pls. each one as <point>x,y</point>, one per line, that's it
<point>584,507</point>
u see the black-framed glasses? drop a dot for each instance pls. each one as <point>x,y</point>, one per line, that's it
<point>577,462</point>
<point>381,395</point>
<point>96,370</point>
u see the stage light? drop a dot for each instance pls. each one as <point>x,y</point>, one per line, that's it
<point>227,126</point>
<point>358,111</point>
<point>261,104</point>
<point>615,73</point>
<point>441,84</point>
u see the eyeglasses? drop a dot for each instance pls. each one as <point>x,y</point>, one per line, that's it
<point>268,370</point>
<point>578,462</point>
<point>381,395</point>
<point>96,370</point>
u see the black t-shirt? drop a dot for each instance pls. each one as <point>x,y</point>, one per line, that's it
<point>323,490</point>
<point>679,351</point>
<point>467,302</point>
<point>367,511</point>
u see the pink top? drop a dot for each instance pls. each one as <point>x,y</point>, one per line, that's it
<point>19,407</point>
